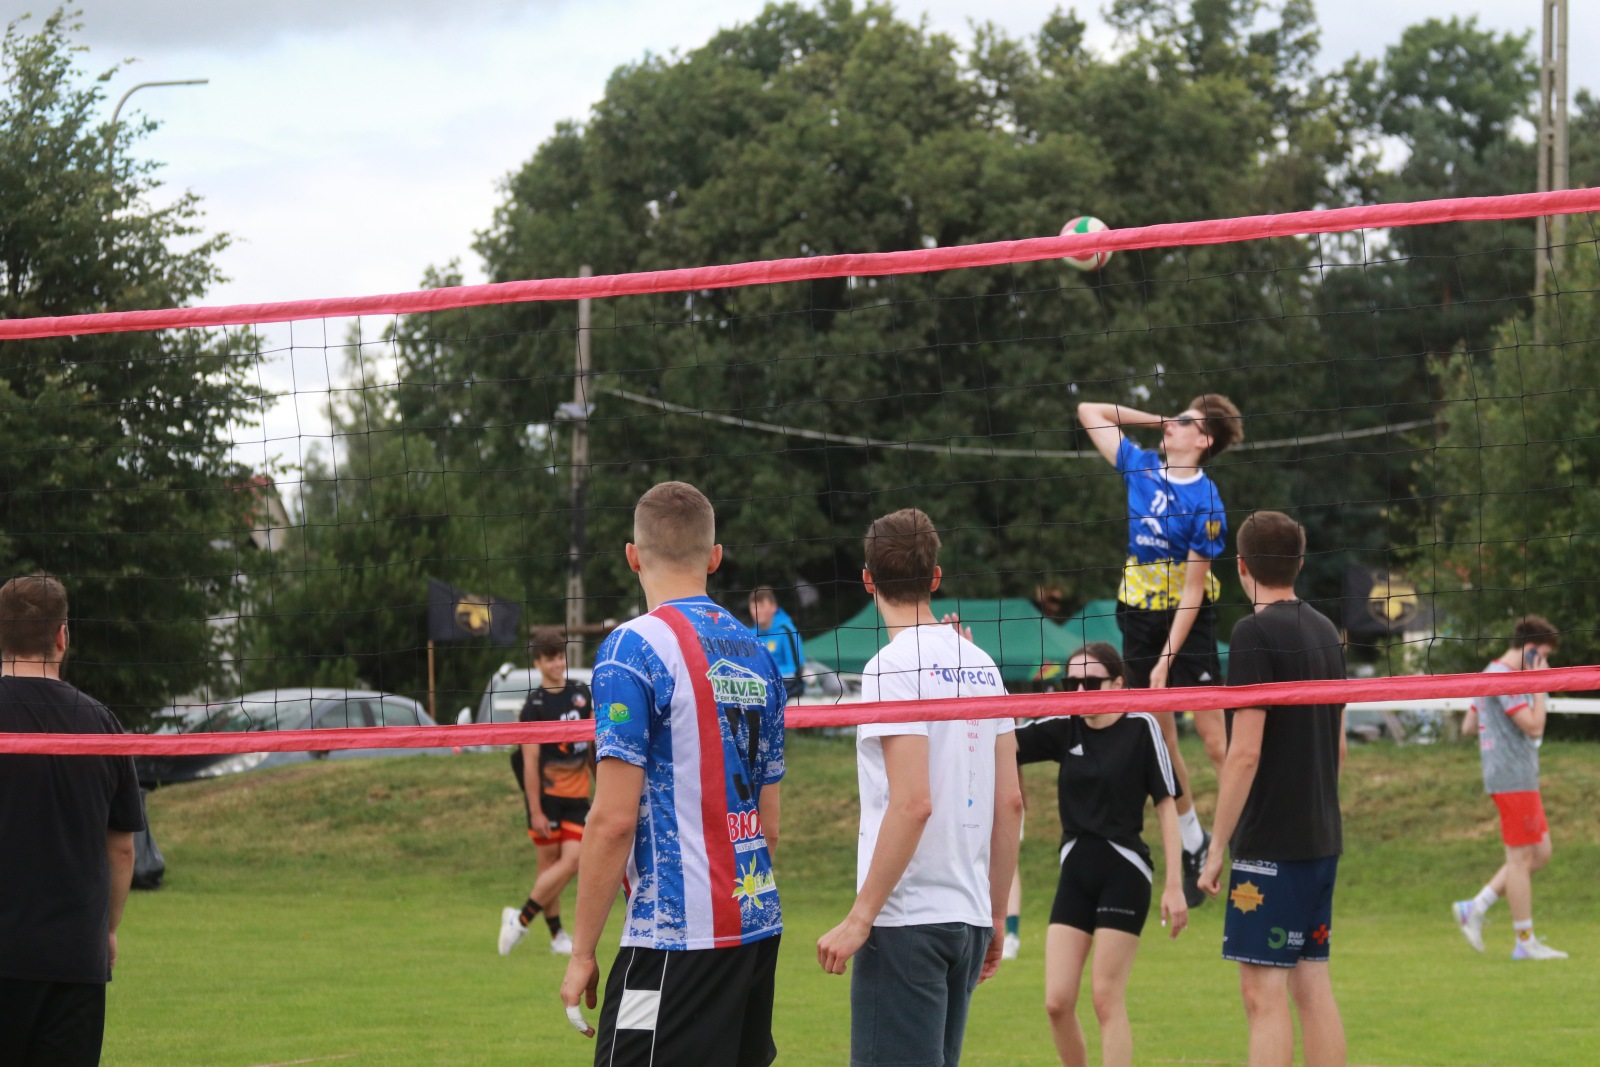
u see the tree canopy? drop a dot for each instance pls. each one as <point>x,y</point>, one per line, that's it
<point>114,450</point>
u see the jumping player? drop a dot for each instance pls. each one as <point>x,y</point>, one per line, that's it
<point>1278,808</point>
<point>1166,604</point>
<point>1509,729</point>
<point>1109,765</point>
<point>689,737</point>
<point>940,810</point>
<point>556,798</point>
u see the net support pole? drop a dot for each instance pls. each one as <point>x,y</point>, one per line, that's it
<point>581,407</point>
<point>433,711</point>
<point>1551,230</point>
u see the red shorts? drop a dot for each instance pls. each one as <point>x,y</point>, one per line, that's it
<point>1522,820</point>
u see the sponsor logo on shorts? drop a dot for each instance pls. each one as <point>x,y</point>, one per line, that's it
<point>618,713</point>
<point>1321,934</point>
<point>1246,897</point>
<point>1263,867</point>
<point>1279,937</point>
<point>733,684</point>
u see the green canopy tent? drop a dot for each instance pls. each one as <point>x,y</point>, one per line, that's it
<point>1027,646</point>
<point>1011,630</point>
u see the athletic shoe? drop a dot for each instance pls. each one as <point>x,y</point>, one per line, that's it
<point>511,930</point>
<point>1534,949</point>
<point>561,943</point>
<point>1010,948</point>
<point>1470,919</point>
<point>1193,864</point>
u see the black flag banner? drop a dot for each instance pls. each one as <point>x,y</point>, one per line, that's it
<point>1380,602</point>
<point>457,616</point>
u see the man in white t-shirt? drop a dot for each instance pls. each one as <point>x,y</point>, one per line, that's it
<point>940,809</point>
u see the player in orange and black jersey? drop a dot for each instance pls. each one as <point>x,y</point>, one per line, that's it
<point>556,798</point>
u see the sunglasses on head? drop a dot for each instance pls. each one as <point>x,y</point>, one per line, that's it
<point>1074,684</point>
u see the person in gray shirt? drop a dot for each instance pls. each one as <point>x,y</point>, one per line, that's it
<point>1509,730</point>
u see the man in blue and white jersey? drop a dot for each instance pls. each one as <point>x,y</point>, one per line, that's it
<point>689,742</point>
<point>1166,603</point>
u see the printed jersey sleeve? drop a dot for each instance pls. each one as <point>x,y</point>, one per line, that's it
<point>1130,457</point>
<point>1248,660</point>
<point>1040,741</point>
<point>769,749</point>
<point>624,694</point>
<point>1208,533</point>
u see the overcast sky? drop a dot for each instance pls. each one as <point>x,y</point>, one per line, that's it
<point>349,144</point>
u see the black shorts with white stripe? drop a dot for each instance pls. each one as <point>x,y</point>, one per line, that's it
<point>707,1008</point>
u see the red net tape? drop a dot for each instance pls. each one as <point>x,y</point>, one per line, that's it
<point>1028,706</point>
<point>915,261</point>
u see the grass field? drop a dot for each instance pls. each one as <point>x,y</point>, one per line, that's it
<point>346,913</point>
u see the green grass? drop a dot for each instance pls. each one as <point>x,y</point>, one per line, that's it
<point>347,913</point>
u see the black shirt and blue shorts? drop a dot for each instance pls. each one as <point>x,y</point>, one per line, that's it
<point>1106,774</point>
<point>1286,847</point>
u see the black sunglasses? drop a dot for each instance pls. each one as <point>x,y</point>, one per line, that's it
<point>1072,685</point>
<point>1186,420</point>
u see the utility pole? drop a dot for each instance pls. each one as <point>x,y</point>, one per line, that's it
<point>1552,138</point>
<point>578,413</point>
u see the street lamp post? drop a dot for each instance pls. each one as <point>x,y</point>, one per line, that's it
<point>117,111</point>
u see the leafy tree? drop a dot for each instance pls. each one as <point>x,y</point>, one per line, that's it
<point>842,128</point>
<point>343,603</point>
<point>1515,485</point>
<point>114,460</point>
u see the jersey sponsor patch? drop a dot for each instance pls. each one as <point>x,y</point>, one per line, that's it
<point>740,686</point>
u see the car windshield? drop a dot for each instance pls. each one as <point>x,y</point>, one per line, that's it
<point>237,717</point>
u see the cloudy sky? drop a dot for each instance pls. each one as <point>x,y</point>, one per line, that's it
<point>349,144</point>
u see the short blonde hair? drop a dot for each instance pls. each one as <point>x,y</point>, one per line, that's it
<point>674,524</point>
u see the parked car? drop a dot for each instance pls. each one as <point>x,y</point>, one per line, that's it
<point>508,690</point>
<point>284,709</point>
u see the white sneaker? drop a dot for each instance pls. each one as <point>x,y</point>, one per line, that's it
<point>561,943</point>
<point>1010,947</point>
<point>1534,949</point>
<point>1470,919</point>
<point>511,930</point>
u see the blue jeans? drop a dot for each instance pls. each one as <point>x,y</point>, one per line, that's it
<point>909,991</point>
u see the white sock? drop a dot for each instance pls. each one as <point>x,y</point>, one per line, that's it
<point>1189,827</point>
<point>1524,929</point>
<point>1484,900</point>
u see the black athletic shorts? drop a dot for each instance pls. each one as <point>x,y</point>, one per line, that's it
<point>51,1024</point>
<point>707,1008</point>
<point>1100,888</point>
<point>1144,639</point>
<point>571,810</point>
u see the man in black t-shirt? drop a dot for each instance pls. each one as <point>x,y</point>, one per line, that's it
<point>66,835</point>
<point>555,782</point>
<point>1278,808</point>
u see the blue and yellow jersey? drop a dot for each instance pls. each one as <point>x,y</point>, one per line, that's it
<point>1167,517</point>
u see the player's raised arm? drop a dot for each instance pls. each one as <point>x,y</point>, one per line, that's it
<point>1104,423</point>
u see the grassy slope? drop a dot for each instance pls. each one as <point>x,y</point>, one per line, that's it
<point>349,911</point>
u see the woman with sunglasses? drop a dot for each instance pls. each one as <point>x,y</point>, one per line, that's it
<point>1166,602</point>
<point>1109,764</point>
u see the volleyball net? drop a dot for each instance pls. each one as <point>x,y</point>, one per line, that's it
<point>397,490</point>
